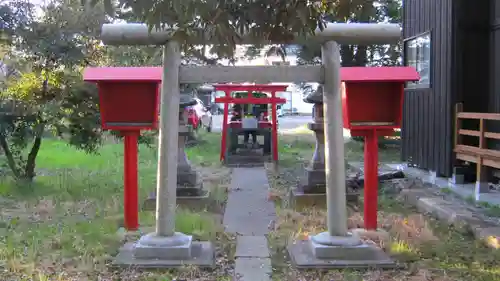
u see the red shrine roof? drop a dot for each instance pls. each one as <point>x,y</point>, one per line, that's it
<point>374,74</point>
<point>347,74</point>
<point>96,74</point>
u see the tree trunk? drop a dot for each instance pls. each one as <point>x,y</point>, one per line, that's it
<point>29,170</point>
<point>10,158</point>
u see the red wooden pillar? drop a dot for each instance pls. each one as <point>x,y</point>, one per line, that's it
<point>371,180</point>
<point>223,142</point>
<point>274,124</point>
<point>130,197</point>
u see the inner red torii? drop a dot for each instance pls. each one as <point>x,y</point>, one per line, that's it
<point>250,99</point>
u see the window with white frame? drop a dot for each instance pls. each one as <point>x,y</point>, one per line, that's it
<point>417,53</point>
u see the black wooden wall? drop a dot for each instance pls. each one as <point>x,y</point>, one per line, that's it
<point>494,97</point>
<point>461,71</point>
<point>428,112</point>
<point>472,46</point>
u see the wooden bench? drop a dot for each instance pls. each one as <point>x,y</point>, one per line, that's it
<point>481,155</point>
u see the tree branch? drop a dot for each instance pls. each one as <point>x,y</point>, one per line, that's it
<point>201,56</point>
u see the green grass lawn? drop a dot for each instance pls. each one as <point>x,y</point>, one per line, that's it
<point>63,226</point>
<point>297,146</point>
<point>65,223</point>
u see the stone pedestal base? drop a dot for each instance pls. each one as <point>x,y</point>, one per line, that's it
<point>193,198</point>
<point>152,251</point>
<point>188,177</point>
<point>314,182</point>
<point>189,192</point>
<point>323,252</point>
<point>175,247</point>
<point>300,200</point>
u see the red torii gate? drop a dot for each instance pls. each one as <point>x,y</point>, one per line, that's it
<point>250,99</point>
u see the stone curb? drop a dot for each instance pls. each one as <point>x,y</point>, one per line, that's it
<point>453,214</point>
<point>427,201</point>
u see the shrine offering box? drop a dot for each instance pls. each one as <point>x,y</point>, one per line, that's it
<point>129,106</point>
<point>128,96</point>
<point>372,97</point>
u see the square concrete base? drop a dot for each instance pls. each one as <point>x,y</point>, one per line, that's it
<point>195,202</point>
<point>143,249</point>
<point>202,255</point>
<point>300,200</point>
<point>365,256</point>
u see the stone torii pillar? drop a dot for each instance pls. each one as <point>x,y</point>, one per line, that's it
<point>170,248</point>
<point>336,247</point>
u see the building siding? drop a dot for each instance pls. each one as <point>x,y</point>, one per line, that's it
<point>494,96</point>
<point>464,68</point>
<point>427,133</point>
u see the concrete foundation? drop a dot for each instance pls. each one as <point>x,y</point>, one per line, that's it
<point>202,255</point>
<point>480,188</point>
<point>325,252</point>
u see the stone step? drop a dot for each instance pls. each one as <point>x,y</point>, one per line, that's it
<point>246,161</point>
<point>252,269</point>
<point>251,247</point>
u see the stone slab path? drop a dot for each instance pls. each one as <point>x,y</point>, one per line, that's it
<point>248,214</point>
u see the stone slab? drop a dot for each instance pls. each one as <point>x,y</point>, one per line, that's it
<point>411,196</point>
<point>190,202</point>
<point>252,269</point>
<point>249,210</point>
<point>246,161</point>
<point>202,255</point>
<point>302,257</point>
<point>453,213</point>
<point>490,235</point>
<point>251,247</point>
<point>300,200</point>
<point>446,211</point>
